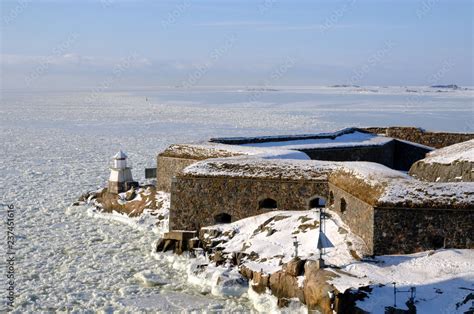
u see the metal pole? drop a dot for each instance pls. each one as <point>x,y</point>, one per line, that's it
<point>321,219</point>
<point>412,292</point>
<point>394,294</point>
<point>320,231</point>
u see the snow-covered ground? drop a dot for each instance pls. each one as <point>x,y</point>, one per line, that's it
<point>271,236</point>
<point>443,279</point>
<point>56,145</point>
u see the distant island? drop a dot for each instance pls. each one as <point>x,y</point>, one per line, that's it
<point>261,89</point>
<point>345,85</point>
<point>449,86</point>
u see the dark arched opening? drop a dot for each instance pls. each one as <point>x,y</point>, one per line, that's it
<point>437,242</point>
<point>343,205</point>
<point>317,202</point>
<point>222,218</point>
<point>267,203</point>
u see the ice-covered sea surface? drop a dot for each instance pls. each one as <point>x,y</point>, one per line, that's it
<point>56,145</point>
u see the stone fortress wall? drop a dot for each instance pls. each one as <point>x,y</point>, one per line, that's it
<point>397,154</point>
<point>423,137</point>
<point>168,168</point>
<point>459,171</point>
<point>201,200</point>
<point>403,230</point>
<point>408,230</point>
<point>355,213</point>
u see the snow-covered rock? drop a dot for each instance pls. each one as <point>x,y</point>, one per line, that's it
<point>150,279</point>
<point>450,164</point>
<point>267,239</point>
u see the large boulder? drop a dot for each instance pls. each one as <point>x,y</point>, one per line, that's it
<point>316,288</point>
<point>246,272</point>
<point>260,282</point>
<point>295,267</point>
<point>285,286</point>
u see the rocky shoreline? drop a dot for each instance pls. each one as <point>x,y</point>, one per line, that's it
<point>253,258</point>
<point>301,280</point>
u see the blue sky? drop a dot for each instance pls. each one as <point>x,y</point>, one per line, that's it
<point>263,42</point>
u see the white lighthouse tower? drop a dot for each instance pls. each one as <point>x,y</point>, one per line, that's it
<point>120,179</point>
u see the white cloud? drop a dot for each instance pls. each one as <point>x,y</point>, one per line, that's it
<point>307,27</point>
<point>271,26</point>
<point>232,23</point>
<point>71,59</point>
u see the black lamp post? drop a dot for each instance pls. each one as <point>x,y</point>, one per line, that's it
<point>323,241</point>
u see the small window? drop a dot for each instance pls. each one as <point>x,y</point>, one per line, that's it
<point>331,198</point>
<point>222,218</point>
<point>267,203</point>
<point>343,205</point>
<point>317,202</point>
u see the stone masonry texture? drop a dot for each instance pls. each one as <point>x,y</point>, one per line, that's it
<point>196,201</point>
<point>420,136</point>
<point>358,215</point>
<point>404,231</point>
<point>167,168</point>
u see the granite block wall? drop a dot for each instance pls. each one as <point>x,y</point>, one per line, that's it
<point>458,171</point>
<point>195,201</point>
<point>404,231</point>
<point>420,136</point>
<point>167,168</point>
<point>358,215</point>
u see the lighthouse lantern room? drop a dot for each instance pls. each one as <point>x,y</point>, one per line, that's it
<point>120,179</point>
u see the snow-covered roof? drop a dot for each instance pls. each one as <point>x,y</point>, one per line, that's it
<point>458,152</point>
<point>371,182</point>
<point>201,151</point>
<point>120,155</point>
<point>353,139</point>
<point>287,147</point>
<point>283,138</point>
<point>383,187</point>
<point>256,167</point>
<point>279,157</point>
<point>418,194</point>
